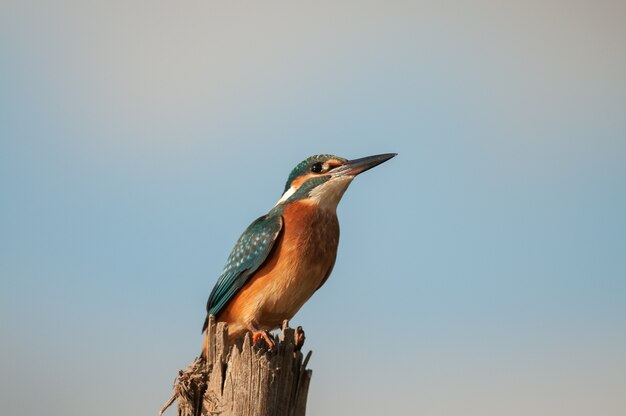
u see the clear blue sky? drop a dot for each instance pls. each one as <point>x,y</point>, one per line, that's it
<point>481,272</point>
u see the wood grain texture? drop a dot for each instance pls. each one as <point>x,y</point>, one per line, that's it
<point>245,379</point>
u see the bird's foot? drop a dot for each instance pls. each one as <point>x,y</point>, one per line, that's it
<point>299,335</point>
<point>267,337</point>
<point>257,333</point>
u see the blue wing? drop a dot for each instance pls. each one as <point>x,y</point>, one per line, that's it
<point>247,256</point>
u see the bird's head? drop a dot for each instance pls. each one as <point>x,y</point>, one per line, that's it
<point>322,179</point>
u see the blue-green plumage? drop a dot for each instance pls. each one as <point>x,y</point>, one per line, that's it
<point>247,256</point>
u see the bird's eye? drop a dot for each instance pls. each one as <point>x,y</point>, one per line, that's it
<point>316,168</point>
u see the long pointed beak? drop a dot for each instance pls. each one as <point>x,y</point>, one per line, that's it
<point>357,166</point>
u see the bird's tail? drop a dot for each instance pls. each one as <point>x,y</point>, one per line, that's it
<point>205,342</point>
<point>205,346</point>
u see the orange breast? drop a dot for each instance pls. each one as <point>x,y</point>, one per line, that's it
<point>302,258</point>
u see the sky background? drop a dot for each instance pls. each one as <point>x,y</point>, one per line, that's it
<point>480,272</point>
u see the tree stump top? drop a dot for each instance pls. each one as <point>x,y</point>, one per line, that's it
<point>244,379</point>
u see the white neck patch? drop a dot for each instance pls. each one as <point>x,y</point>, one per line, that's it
<point>286,195</point>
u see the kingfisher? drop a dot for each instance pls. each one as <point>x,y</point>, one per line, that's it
<point>286,255</point>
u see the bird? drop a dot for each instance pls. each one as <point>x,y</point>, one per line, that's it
<point>286,255</point>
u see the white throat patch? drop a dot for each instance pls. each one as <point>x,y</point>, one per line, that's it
<point>286,195</point>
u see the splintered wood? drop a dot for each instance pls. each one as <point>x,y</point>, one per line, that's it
<point>245,379</point>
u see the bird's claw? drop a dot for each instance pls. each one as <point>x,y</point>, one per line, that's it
<point>299,335</point>
<point>267,337</point>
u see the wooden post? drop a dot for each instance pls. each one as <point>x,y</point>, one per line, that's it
<point>244,379</point>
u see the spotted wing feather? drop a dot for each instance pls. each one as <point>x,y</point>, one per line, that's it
<point>247,256</point>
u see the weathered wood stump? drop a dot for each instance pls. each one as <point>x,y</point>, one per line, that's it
<point>244,379</point>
